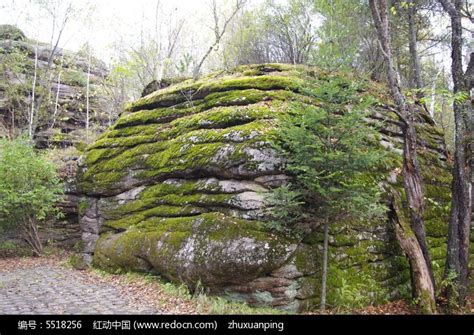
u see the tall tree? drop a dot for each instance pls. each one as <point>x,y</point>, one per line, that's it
<point>457,259</point>
<point>88,91</point>
<point>292,29</point>
<point>219,31</point>
<point>59,20</point>
<point>273,32</point>
<point>423,279</point>
<point>339,41</point>
<point>150,59</point>
<point>13,65</point>
<point>33,96</point>
<point>415,80</point>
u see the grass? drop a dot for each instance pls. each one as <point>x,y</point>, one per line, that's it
<point>218,305</point>
<point>200,300</point>
<point>7,245</point>
<point>10,248</point>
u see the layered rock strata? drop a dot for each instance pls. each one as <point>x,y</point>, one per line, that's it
<point>177,187</point>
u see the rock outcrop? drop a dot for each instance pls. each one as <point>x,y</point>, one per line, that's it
<point>68,82</point>
<point>177,186</point>
<point>62,127</point>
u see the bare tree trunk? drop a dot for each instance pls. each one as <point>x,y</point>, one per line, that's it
<point>415,80</point>
<point>413,185</point>
<point>46,75</point>
<point>433,96</point>
<point>325,267</point>
<point>56,101</point>
<point>457,259</point>
<point>33,88</point>
<point>31,235</point>
<point>88,94</point>
<point>219,32</point>
<point>443,111</point>
<point>412,180</point>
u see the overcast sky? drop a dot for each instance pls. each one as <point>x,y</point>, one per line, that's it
<point>121,22</point>
<point>109,22</point>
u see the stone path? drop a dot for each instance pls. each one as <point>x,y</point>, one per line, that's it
<point>49,289</point>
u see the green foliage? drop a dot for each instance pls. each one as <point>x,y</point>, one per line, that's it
<point>333,155</point>
<point>338,40</point>
<point>11,248</point>
<point>358,293</point>
<point>184,64</point>
<point>29,185</point>
<point>76,261</point>
<point>275,31</point>
<point>74,77</point>
<point>450,283</point>
<point>7,245</point>
<point>13,66</point>
<point>218,305</point>
<point>284,208</point>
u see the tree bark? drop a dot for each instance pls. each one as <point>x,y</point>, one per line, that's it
<point>31,235</point>
<point>325,267</point>
<point>421,278</point>
<point>88,94</point>
<point>433,95</point>
<point>415,80</point>
<point>470,72</point>
<point>413,185</point>
<point>412,180</point>
<point>33,88</point>
<point>457,259</point>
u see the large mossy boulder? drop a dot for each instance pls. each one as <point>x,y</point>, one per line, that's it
<point>177,187</point>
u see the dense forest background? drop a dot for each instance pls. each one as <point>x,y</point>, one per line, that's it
<point>166,40</point>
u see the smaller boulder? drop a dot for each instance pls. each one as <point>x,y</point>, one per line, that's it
<point>9,32</point>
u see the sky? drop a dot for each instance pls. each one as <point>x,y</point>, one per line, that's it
<point>106,22</point>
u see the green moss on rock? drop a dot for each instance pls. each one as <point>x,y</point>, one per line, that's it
<point>211,248</point>
<point>178,143</point>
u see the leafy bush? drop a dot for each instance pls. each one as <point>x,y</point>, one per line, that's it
<point>359,294</point>
<point>29,190</point>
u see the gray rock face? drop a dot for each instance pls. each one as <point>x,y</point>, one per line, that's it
<point>66,231</point>
<point>68,81</point>
<point>69,72</point>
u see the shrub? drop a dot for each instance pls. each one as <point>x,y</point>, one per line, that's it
<point>29,190</point>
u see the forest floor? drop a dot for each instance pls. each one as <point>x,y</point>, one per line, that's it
<point>50,285</point>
